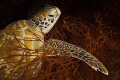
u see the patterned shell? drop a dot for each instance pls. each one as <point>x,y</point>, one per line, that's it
<point>26,34</point>
<point>26,40</point>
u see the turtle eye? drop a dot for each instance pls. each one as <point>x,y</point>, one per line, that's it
<point>50,15</point>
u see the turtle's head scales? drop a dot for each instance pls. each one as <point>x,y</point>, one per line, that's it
<point>46,18</point>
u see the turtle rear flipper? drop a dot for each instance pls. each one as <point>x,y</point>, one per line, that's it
<point>66,49</point>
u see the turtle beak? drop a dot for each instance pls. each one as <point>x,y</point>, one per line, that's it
<point>58,12</point>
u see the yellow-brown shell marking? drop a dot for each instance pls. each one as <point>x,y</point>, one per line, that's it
<point>23,40</point>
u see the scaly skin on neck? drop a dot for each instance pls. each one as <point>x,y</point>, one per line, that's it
<point>25,37</point>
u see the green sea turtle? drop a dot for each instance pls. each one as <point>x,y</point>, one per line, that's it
<point>27,37</point>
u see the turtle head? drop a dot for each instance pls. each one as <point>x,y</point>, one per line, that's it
<point>46,18</point>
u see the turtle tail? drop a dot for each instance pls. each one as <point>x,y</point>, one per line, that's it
<point>66,49</point>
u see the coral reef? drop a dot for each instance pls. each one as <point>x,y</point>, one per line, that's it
<point>97,31</point>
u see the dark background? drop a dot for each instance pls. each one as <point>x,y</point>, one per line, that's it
<point>13,10</point>
<point>109,10</point>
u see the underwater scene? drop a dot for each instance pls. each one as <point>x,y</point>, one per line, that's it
<point>60,40</point>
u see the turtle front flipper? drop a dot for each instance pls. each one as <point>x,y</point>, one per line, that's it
<point>66,49</point>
